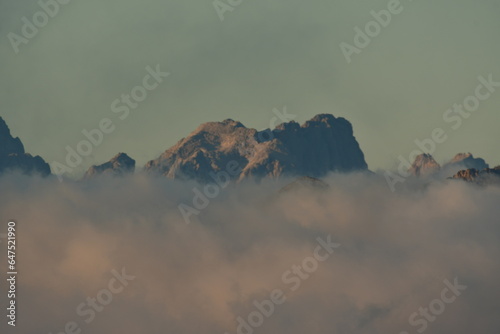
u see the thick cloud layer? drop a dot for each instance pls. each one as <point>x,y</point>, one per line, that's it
<point>396,252</point>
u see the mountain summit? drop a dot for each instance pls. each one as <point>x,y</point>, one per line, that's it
<point>424,165</point>
<point>13,157</point>
<point>120,164</point>
<point>321,145</point>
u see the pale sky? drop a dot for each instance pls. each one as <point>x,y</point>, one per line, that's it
<point>264,55</point>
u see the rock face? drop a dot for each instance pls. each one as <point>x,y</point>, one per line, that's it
<point>14,158</point>
<point>424,165</point>
<point>483,177</point>
<point>321,145</point>
<point>121,164</point>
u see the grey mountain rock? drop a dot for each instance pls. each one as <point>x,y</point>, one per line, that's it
<point>14,158</point>
<point>424,165</point>
<point>121,164</point>
<point>321,145</point>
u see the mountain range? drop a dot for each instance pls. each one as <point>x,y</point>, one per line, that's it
<point>321,145</point>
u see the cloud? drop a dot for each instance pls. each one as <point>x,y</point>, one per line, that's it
<point>396,251</point>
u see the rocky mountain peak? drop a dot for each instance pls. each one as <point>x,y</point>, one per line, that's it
<point>233,123</point>
<point>226,126</point>
<point>424,165</point>
<point>14,158</point>
<point>322,120</point>
<point>468,161</point>
<point>119,165</point>
<point>463,161</point>
<point>321,145</point>
<point>461,156</point>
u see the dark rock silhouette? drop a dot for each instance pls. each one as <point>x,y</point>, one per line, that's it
<point>14,158</point>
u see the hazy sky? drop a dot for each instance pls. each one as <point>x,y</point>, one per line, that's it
<point>264,55</point>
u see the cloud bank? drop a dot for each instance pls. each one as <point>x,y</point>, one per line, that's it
<point>396,252</point>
